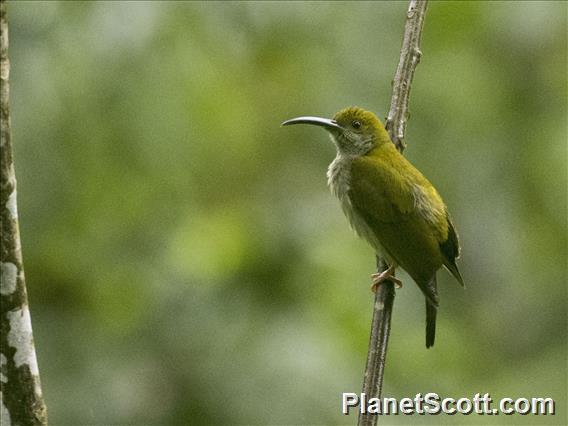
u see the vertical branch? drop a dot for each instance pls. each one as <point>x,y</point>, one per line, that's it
<point>22,400</point>
<point>410,55</point>
<point>396,125</point>
<point>378,342</point>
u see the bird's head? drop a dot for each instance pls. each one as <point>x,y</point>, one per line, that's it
<point>353,130</point>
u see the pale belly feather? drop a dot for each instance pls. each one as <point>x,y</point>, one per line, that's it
<point>338,179</point>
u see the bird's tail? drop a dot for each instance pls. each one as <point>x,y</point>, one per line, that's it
<point>431,312</point>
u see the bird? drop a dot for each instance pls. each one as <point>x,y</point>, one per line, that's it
<point>390,204</point>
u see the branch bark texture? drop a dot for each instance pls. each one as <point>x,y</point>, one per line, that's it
<point>396,125</point>
<point>410,55</point>
<point>22,400</point>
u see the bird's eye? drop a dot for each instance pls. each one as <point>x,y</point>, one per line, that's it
<point>356,124</point>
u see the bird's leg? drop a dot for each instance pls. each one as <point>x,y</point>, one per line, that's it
<point>388,274</point>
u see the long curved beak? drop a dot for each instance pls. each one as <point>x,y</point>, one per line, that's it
<point>316,121</point>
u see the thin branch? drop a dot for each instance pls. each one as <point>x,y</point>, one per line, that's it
<point>396,125</point>
<point>22,400</point>
<point>410,55</point>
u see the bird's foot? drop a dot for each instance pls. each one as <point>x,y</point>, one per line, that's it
<point>379,277</point>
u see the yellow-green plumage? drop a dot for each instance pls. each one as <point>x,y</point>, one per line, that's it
<point>404,210</point>
<point>389,202</point>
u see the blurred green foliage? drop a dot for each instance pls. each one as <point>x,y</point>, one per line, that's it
<point>185,260</point>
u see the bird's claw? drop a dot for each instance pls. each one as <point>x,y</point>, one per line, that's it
<point>387,275</point>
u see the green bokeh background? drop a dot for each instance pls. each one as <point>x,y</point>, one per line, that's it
<point>186,263</point>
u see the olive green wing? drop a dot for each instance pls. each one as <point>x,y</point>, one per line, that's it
<point>432,208</point>
<point>394,192</point>
<point>378,192</point>
<point>383,197</point>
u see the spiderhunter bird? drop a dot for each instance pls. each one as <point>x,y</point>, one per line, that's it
<point>390,204</point>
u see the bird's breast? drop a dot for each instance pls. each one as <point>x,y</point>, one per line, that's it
<point>339,176</point>
<point>339,181</point>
